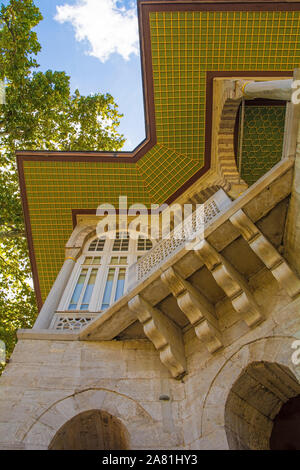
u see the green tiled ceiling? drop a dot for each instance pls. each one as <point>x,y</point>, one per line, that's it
<point>164,170</point>
<point>185,45</point>
<point>262,140</point>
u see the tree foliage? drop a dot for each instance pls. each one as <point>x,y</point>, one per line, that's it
<point>40,113</point>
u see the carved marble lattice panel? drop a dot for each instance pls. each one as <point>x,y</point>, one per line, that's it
<point>192,227</point>
<point>74,322</point>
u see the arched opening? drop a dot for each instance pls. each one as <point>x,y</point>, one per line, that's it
<point>255,410</point>
<point>264,122</point>
<point>91,430</point>
<point>286,430</point>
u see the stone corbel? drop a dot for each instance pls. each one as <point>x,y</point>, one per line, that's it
<point>164,334</point>
<point>232,283</point>
<point>267,253</point>
<point>197,309</point>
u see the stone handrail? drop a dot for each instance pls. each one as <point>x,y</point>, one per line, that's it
<point>189,230</point>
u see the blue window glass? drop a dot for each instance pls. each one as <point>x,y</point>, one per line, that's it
<point>108,289</point>
<point>89,290</point>
<point>120,284</point>
<point>77,290</point>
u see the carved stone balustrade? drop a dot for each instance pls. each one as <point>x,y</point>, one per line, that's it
<point>192,228</point>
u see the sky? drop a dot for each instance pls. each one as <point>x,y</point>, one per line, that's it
<point>96,43</point>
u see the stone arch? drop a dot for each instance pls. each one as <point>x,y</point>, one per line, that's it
<point>225,148</point>
<point>227,177</point>
<point>91,430</point>
<point>277,349</point>
<point>112,233</point>
<point>253,403</point>
<point>80,236</point>
<point>135,419</point>
<point>286,429</point>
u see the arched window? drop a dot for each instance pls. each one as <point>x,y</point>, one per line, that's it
<point>99,277</point>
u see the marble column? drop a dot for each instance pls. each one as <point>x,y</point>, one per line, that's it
<point>51,303</point>
<point>273,90</point>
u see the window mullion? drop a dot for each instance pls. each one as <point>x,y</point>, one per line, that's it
<point>105,270</point>
<point>102,272</point>
<point>100,286</point>
<point>84,286</point>
<point>107,281</point>
<point>126,277</point>
<point>68,293</point>
<point>114,286</point>
<point>95,293</point>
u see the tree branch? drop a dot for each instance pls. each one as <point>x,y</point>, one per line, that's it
<point>12,234</point>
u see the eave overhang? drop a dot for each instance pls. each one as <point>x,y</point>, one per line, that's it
<point>169,160</point>
<point>231,271</point>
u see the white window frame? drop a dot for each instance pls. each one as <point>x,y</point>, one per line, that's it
<point>96,300</point>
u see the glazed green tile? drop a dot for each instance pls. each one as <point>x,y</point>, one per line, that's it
<point>262,140</point>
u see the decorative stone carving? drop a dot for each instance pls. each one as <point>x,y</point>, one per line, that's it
<point>197,309</point>
<point>267,253</point>
<point>74,322</point>
<point>232,181</point>
<point>73,253</point>
<point>164,334</point>
<point>232,283</point>
<point>193,225</point>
